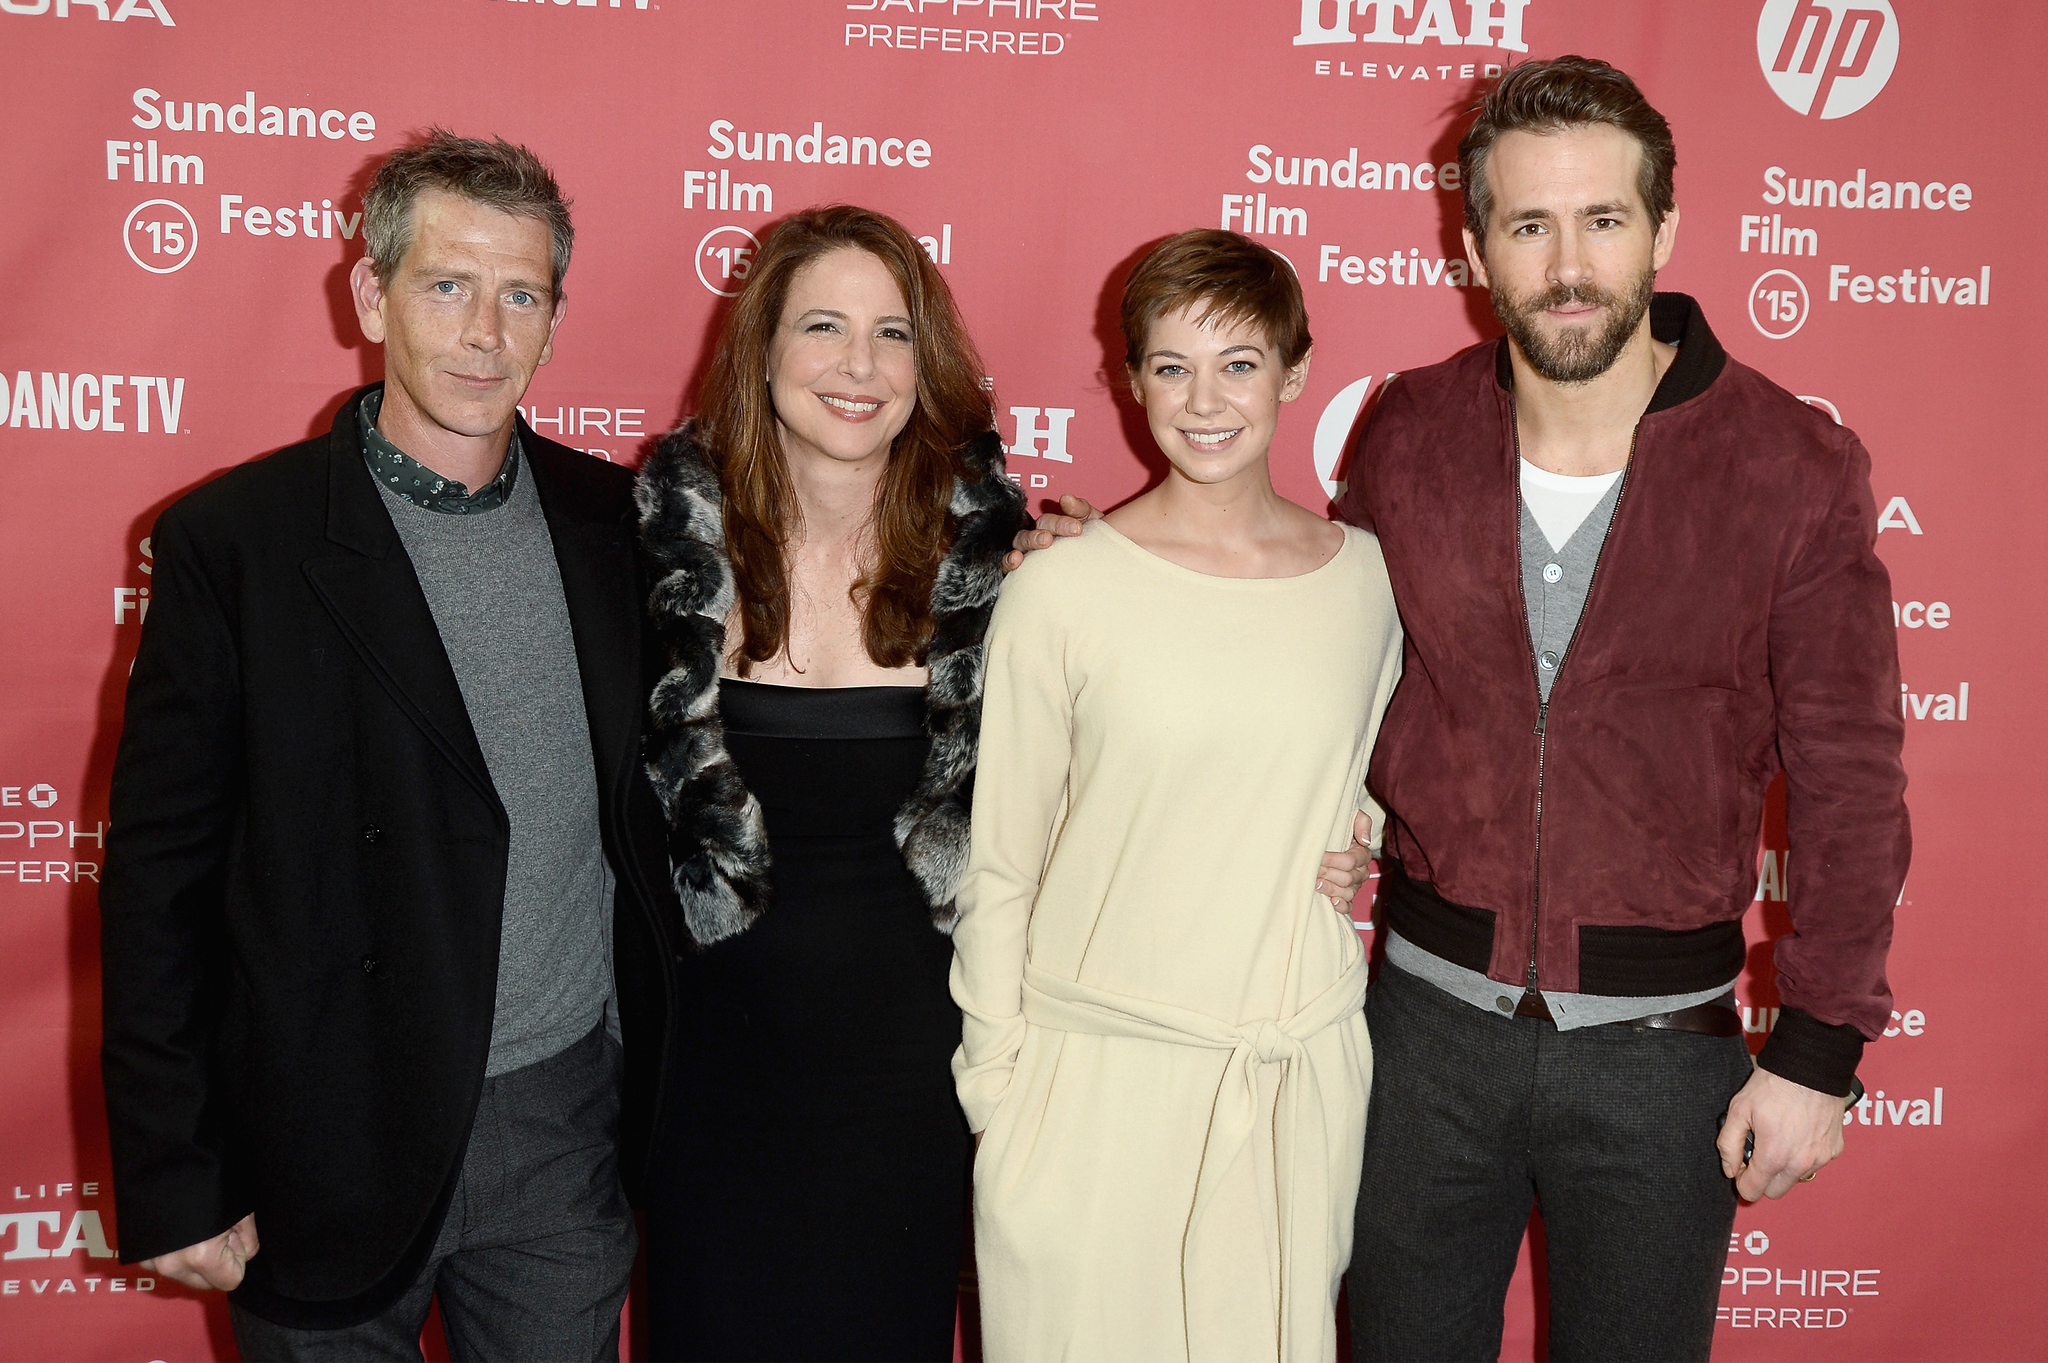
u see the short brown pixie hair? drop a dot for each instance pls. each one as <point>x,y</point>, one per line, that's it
<point>1551,96</point>
<point>1229,278</point>
<point>496,174</point>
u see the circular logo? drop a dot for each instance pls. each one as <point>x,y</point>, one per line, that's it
<point>1827,58</point>
<point>724,258</point>
<point>42,797</point>
<point>1778,303</point>
<point>1333,431</point>
<point>1824,405</point>
<point>1756,1242</point>
<point>160,236</point>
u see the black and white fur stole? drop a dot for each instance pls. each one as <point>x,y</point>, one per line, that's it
<point>718,843</point>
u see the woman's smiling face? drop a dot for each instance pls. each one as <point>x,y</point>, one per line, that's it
<point>842,368</point>
<point>1212,392</point>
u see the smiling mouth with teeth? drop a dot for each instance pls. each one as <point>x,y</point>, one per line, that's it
<point>1210,438</point>
<point>845,406</point>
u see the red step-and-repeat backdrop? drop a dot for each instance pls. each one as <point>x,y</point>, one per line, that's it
<point>1859,182</point>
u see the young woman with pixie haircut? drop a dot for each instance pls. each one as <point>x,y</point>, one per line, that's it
<point>1164,1053</point>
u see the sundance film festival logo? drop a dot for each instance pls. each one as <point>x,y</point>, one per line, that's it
<point>160,236</point>
<point>1827,58</point>
<point>724,259</point>
<point>1778,303</point>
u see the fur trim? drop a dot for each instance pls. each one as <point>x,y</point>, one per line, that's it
<point>718,843</point>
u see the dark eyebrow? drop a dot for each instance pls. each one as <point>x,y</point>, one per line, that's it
<point>1176,355</point>
<point>834,312</point>
<point>1545,215</point>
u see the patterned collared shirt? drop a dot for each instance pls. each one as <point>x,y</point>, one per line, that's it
<point>406,477</point>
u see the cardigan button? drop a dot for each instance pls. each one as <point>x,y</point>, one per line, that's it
<point>1505,1004</point>
<point>371,832</point>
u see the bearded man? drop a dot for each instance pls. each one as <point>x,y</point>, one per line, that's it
<point>1639,580</point>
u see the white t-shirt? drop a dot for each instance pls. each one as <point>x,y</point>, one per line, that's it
<point>1559,502</point>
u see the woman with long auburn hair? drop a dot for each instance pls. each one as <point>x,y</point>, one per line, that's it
<point>828,534</point>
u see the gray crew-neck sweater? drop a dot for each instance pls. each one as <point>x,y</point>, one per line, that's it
<point>496,594</point>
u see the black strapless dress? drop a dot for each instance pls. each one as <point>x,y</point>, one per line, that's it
<point>809,1198</point>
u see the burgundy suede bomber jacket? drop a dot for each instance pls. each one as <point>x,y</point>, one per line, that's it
<point>1737,624</point>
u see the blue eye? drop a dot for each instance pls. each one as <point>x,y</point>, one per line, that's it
<point>445,286</point>
<point>521,298</point>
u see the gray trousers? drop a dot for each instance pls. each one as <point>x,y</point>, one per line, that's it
<point>1608,1129</point>
<point>533,1258</point>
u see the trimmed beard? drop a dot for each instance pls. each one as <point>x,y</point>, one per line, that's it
<point>1578,354</point>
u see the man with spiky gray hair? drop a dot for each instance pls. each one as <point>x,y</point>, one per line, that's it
<point>385,907</point>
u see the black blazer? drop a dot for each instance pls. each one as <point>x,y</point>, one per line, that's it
<point>306,868</point>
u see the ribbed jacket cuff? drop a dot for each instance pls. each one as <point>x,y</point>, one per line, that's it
<point>1818,1055</point>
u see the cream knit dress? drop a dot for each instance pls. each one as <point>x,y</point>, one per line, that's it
<point>1163,1045</point>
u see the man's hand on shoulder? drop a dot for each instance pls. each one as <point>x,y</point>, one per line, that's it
<point>1051,526</point>
<point>1798,1132</point>
<point>211,1264</point>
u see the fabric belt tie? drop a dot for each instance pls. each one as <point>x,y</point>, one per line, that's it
<point>1302,1194</point>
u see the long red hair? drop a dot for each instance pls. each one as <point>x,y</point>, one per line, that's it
<point>911,529</point>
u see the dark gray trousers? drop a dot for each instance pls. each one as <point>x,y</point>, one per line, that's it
<point>533,1258</point>
<point>1609,1130</point>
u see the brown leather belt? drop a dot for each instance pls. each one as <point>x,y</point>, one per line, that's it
<point>1707,1019</point>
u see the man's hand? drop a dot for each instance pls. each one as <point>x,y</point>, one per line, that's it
<point>1798,1132</point>
<point>1343,872</point>
<point>210,1264</point>
<point>1049,528</point>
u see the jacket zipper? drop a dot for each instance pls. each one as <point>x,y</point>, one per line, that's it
<point>1542,705</point>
